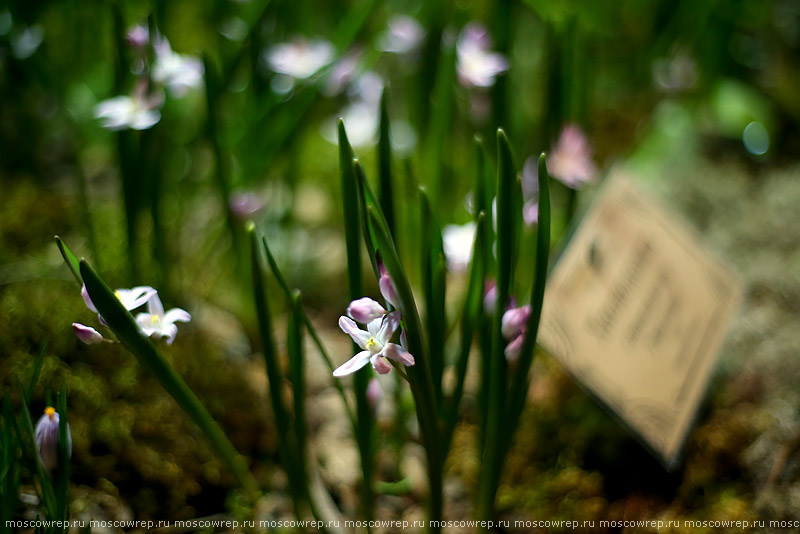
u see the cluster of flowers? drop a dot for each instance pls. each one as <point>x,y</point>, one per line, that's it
<point>376,339</point>
<point>141,109</point>
<point>155,323</point>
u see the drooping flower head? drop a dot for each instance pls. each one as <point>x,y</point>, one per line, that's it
<point>157,323</point>
<point>375,344</point>
<point>477,65</point>
<point>570,161</point>
<point>46,437</point>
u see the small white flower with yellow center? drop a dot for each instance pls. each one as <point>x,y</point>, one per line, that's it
<point>375,342</point>
<point>160,324</point>
<point>130,298</point>
<point>46,437</point>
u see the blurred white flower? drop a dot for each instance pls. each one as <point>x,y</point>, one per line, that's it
<point>25,42</point>
<point>160,324</point>
<point>137,37</point>
<point>177,72</point>
<point>457,241</point>
<point>403,35</point>
<point>342,73</point>
<point>46,437</point>
<point>138,111</point>
<point>361,121</point>
<point>477,66</point>
<point>301,58</point>
<point>367,88</point>
<point>570,160</point>
<point>244,204</point>
<point>530,191</point>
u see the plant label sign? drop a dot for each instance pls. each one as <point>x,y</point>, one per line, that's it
<point>636,309</point>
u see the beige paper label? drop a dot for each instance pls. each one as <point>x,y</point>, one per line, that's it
<point>636,309</point>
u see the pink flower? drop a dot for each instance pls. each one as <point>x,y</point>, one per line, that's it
<point>365,310</point>
<point>376,345</point>
<point>387,286</point>
<point>570,160</point>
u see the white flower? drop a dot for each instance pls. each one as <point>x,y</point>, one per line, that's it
<point>159,324</point>
<point>46,437</point>
<point>130,298</point>
<point>375,342</point>
<point>137,111</point>
<point>403,35</point>
<point>178,72</point>
<point>477,66</point>
<point>457,241</point>
<point>300,58</point>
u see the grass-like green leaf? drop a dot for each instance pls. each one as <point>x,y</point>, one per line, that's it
<point>519,387</point>
<point>473,305</point>
<point>490,467</point>
<point>70,260</point>
<point>122,323</point>
<point>385,189</point>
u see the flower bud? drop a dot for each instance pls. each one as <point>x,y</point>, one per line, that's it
<point>365,310</point>
<point>514,321</point>
<point>46,437</point>
<point>87,334</point>
<point>387,286</point>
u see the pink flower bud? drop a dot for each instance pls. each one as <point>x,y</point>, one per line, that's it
<point>514,321</point>
<point>87,334</point>
<point>365,310</point>
<point>387,286</point>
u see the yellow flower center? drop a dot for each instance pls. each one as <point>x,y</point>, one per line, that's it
<point>154,319</point>
<point>116,294</point>
<point>50,411</point>
<point>371,343</point>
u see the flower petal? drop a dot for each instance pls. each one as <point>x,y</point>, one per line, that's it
<point>397,353</point>
<point>365,310</point>
<point>513,349</point>
<point>177,315</point>
<point>87,299</point>
<point>353,364</point>
<point>374,326</point>
<point>349,326</point>
<point>380,365</point>
<point>390,323</point>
